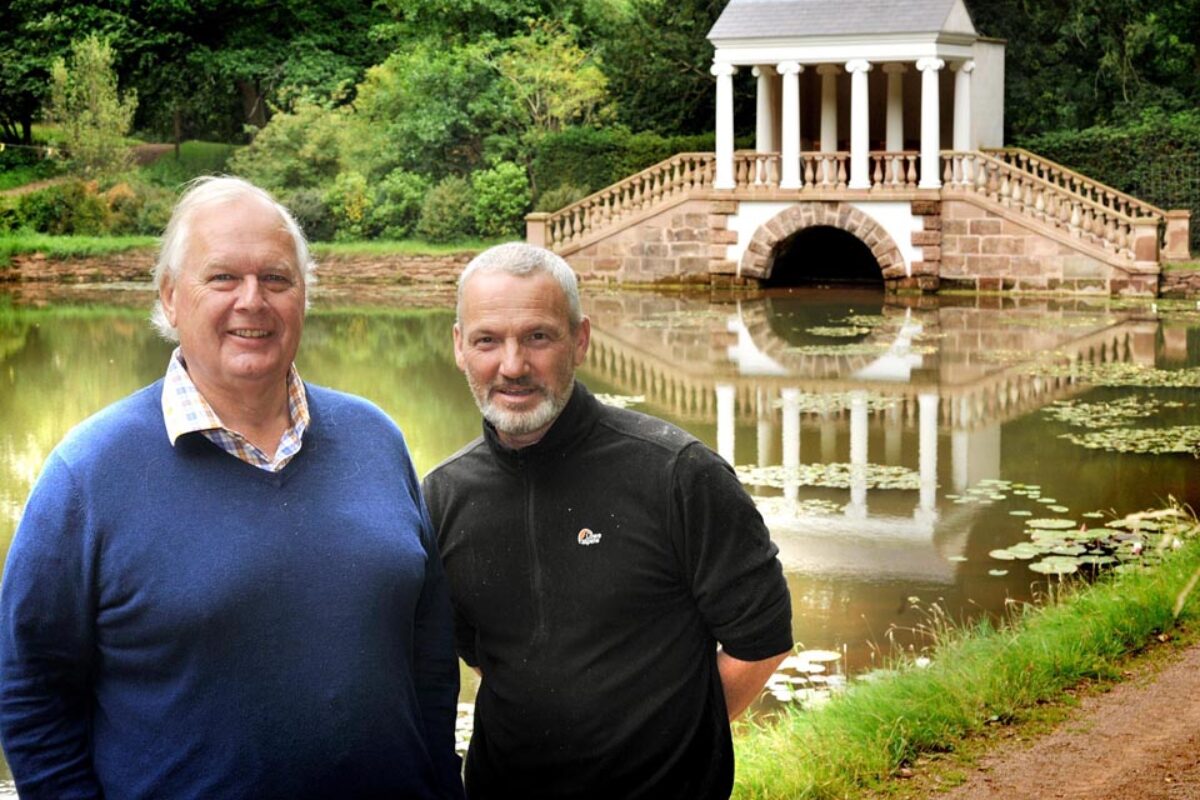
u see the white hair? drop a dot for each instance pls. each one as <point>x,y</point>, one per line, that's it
<point>521,259</point>
<point>206,192</point>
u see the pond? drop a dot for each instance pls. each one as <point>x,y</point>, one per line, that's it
<point>892,443</point>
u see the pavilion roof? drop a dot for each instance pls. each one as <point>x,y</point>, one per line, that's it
<point>777,19</point>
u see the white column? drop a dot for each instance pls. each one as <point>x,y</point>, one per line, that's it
<point>828,73</point>
<point>791,440</point>
<point>724,176</point>
<point>895,106</point>
<point>860,142</point>
<point>927,450</point>
<point>766,123</point>
<point>790,172</point>
<point>930,131</point>
<point>725,421</point>
<point>962,106</point>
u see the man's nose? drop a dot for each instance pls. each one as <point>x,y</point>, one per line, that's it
<point>512,363</point>
<point>250,293</point>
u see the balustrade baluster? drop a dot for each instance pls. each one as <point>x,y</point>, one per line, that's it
<point>1005,189</point>
<point>877,171</point>
<point>841,173</point>
<point>911,179</point>
<point>808,171</point>
<point>948,172</point>
<point>1039,203</point>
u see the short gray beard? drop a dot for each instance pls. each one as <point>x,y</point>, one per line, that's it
<point>520,423</point>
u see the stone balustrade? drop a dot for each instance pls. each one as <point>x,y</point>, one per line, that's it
<point>1112,223</point>
<point>1016,179</point>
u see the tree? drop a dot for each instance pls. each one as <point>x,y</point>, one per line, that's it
<point>85,104</point>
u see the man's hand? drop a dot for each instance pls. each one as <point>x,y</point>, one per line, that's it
<point>743,680</point>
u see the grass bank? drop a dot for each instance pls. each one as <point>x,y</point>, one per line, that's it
<point>980,675</point>
<point>23,243</point>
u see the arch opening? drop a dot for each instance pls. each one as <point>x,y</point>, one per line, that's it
<point>823,255</point>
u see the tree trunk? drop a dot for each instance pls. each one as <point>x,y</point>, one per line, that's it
<point>253,106</point>
<point>177,119</point>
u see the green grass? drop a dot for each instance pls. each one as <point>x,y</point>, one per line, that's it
<point>1172,266</point>
<point>195,158</point>
<point>21,243</point>
<point>980,675</point>
<point>28,173</point>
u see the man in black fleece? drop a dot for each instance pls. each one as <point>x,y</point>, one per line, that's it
<point>597,557</point>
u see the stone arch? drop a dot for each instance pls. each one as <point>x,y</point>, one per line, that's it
<point>758,261</point>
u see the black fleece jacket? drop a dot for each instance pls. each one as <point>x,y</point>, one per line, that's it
<point>592,575</point>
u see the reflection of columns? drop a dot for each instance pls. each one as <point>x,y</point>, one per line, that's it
<point>858,449</point>
<point>724,177</point>
<point>765,123</point>
<point>930,123</point>
<point>725,421</point>
<point>791,440</point>
<point>860,142</point>
<point>790,173</point>
<point>927,449</point>
<point>765,429</point>
<point>962,106</point>
<point>895,106</point>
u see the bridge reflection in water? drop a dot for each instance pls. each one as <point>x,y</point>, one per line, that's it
<point>919,379</point>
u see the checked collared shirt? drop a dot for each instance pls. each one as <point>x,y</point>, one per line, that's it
<point>186,411</point>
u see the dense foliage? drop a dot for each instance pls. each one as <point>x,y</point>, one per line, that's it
<point>355,110</point>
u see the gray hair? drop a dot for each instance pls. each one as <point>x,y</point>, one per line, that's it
<point>523,260</point>
<point>205,192</point>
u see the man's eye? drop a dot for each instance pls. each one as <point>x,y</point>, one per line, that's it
<point>222,276</point>
<point>276,279</point>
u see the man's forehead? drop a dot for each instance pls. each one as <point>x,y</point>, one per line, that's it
<point>490,294</point>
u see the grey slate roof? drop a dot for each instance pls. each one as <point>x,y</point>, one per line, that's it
<point>774,19</point>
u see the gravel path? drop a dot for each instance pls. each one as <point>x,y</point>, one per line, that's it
<point>1140,741</point>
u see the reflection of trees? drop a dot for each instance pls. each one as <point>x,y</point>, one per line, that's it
<point>57,367</point>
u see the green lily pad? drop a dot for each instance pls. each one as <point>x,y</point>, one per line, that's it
<point>1048,524</point>
<point>1056,565</point>
<point>997,573</point>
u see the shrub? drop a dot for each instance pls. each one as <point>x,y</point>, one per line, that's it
<point>501,199</point>
<point>75,207</point>
<point>311,210</point>
<point>85,104</point>
<point>560,197</point>
<point>447,211</point>
<point>350,202</point>
<point>138,208</point>
<point>397,206</point>
<point>294,151</point>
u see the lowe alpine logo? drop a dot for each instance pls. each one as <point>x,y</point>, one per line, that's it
<point>588,537</point>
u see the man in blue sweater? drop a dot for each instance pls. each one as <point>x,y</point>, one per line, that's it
<point>226,585</point>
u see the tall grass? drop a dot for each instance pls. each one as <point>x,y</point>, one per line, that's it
<point>23,242</point>
<point>982,673</point>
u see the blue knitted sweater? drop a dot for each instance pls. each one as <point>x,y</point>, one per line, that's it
<point>175,623</point>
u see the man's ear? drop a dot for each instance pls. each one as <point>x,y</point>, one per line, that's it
<point>583,337</point>
<point>166,296</point>
<point>458,347</point>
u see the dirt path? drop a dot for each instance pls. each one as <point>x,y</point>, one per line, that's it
<point>142,154</point>
<point>1140,741</point>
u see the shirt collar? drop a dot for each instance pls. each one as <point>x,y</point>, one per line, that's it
<point>186,411</point>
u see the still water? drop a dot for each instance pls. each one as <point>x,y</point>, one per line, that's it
<point>892,443</point>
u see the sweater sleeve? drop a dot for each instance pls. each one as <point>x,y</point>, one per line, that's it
<point>464,631</point>
<point>736,579</point>
<point>47,623</point>
<point>435,668</point>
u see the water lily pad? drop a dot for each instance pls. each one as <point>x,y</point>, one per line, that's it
<point>1056,565</point>
<point>997,573</point>
<point>818,656</point>
<point>1048,523</point>
<point>1058,509</point>
<point>1020,513</point>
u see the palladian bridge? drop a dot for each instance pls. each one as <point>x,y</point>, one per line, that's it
<point>851,178</point>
